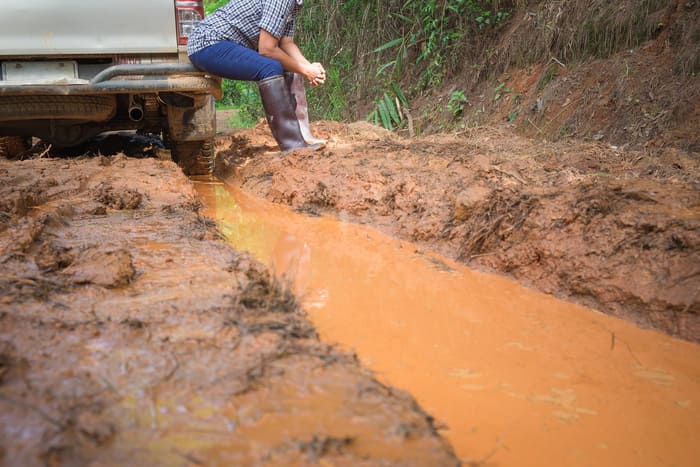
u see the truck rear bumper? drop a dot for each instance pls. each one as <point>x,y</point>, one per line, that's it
<point>162,77</point>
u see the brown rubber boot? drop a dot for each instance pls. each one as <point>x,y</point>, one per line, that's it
<point>295,83</point>
<point>280,115</point>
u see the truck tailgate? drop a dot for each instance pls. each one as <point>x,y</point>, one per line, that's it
<point>87,27</point>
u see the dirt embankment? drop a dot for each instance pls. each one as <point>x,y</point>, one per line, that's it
<point>618,230</point>
<point>131,334</point>
<point>624,73</point>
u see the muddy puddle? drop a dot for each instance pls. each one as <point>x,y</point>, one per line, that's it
<point>515,376</point>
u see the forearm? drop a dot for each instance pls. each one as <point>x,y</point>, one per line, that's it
<point>317,74</point>
<point>288,62</point>
<point>290,48</point>
<point>291,58</point>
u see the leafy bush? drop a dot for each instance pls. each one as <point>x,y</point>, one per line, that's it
<point>391,109</point>
<point>456,103</point>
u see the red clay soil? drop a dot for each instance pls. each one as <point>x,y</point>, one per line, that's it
<point>617,230</point>
<point>641,97</point>
<point>131,334</point>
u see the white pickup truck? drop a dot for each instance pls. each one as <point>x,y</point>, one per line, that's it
<point>71,69</point>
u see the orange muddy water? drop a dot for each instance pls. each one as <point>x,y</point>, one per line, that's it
<point>516,377</point>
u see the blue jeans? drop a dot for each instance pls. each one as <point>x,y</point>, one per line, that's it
<point>234,61</point>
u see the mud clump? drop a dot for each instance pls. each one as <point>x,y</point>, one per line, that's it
<point>135,323</point>
<point>616,230</point>
<point>51,257</point>
<point>468,200</point>
<point>118,199</point>
<point>112,268</point>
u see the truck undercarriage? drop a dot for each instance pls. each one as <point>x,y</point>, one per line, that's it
<point>76,89</point>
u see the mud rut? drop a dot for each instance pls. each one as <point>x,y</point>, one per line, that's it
<point>616,230</point>
<point>130,332</point>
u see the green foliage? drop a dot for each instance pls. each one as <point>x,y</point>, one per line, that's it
<point>434,28</point>
<point>549,74</point>
<point>391,109</point>
<point>456,104</point>
<point>211,5</point>
<point>244,96</point>
<point>328,101</point>
<point>368,48</point>
<point>500,90</point>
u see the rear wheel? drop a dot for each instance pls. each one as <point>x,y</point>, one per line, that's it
<point>12,146</point>
<point>194,157</point>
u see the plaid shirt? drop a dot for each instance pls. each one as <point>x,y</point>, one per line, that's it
<point>240,21</point>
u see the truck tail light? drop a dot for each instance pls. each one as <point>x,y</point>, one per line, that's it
<point>187,15</point>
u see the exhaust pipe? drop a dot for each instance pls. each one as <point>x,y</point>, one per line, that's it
<point>135,110</point>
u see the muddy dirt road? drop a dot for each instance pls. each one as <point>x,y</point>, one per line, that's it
<point>130,330</point>
<point>131,334</point>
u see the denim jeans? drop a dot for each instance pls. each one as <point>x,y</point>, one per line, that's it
<point>234,61</point>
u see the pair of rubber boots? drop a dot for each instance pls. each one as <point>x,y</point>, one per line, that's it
<point>286,110</point>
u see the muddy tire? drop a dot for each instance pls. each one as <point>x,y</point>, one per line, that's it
<point>96,108</point>
<point>12,146</point>
<point>194,157</point>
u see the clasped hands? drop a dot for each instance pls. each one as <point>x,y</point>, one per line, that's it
<point>316,74</point>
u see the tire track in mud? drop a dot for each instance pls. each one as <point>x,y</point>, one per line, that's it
<point>130,333</point>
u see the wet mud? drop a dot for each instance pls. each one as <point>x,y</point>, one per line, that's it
<point>614,229</point>
<point>515,376</point>
<point>131,333</point>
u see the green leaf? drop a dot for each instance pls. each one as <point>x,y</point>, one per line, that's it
<point>399,93</point>
<point>384,67</point>
<point>400,57</point>
<point>372,117</point>
<point>393,111</point>
<point>384,115</point>
<point>389,44</point>
<point>404,17</point>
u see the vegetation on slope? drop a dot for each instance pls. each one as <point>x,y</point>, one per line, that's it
<point>387,61</point>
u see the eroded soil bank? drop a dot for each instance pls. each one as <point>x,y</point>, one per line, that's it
<point>131,334</point>
<point>616,230</point>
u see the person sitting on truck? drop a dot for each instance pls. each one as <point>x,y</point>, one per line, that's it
<point>253,40</point>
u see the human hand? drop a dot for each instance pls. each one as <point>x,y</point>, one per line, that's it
<point>316,74</point>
